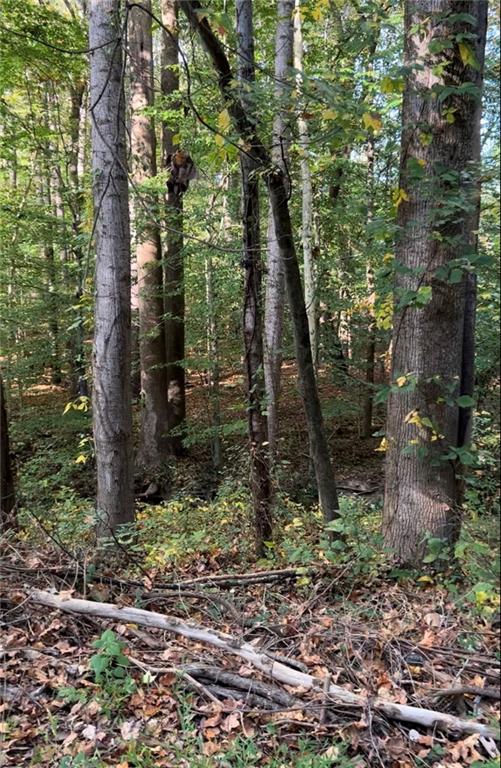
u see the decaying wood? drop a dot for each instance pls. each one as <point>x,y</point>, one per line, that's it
<point>276,670</point>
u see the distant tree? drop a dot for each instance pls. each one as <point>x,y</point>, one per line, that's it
<point>111,395</point>
<point>438,204</point>
<point>7,492</point>
<point>154,442</point>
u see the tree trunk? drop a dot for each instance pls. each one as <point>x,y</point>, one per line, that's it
<point>213,358</point>
<point>173,260</point>
<point>277,188</point>
<point>112,411</point>
<point>7,492</point>
<point>79,385</point>
<point>370,352</point>
<point>154,443</point>
<point>275,281</point>
<point>310,293</point>
<point>252,315</point>
<point>439,176</point>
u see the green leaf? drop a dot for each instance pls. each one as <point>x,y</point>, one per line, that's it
<point>465,401</point>
<point>468,56</point>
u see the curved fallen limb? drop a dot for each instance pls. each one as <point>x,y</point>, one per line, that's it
<point>274,669</point>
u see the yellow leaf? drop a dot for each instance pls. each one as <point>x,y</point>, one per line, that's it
<point>392,85</point>
<point>383,446</point>
<point>372,120</point>
<point>413,417</point>
<point>68,407</point>
<point>421,162</point>
<point>401,381</point>
<point>81,459</point>
<point>223,120</point>
<point>468,56</point>
<point>329,114</point>
<point>399,196</point>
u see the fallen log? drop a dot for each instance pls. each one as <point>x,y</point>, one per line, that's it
<point>276,670</point>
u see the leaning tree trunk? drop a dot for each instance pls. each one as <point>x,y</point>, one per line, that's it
<point>252,315</point>
<point>275,280</point>
<point>278,191</point>
<point>438,216</point>
<point>111,397</point>
<point>173,257</point>
<point>310,293</point>
<point>7,493</point>
<point>154,443</point>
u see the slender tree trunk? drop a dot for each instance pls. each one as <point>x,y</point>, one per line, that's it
<point>439,174</point>
<point>310,291</point>
<point>112,410</point>
<point>173,258</point>
<point>275,281</point>
<point>7,492</point>
<point>213,357</point>
<point>252,315</point>
<point>154,443</point>
<point>370,352</point>
<point>79,384</point>
<point>278,191</point>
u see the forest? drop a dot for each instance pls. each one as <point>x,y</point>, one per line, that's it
<point>249,383</point>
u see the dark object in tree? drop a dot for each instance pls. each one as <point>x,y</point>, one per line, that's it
<point>7,493</point>
<point>182,171</point>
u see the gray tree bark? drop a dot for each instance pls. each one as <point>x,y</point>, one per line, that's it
<point>154,442</point>
<point>437,225</point>
<point>275,280</point>
<point>111,397</point>
<point>252,313</point>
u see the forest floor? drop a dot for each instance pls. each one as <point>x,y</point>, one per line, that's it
<point>76,694</point>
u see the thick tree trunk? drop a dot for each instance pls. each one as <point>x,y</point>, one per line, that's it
<point>277,187</point>
<point>439,173</point>
<point>173,257</point>
<point>252,314</point>
<point>275,281</point>
<point>310,292</point>
<point>112,412</point>
<point>7,492</point>
<point>154,442</point>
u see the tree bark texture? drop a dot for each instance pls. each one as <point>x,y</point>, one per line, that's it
<point>154,442</point>
<point>278,191</point>
<point>310,293</point>
<point>112,414</point>
<point>439,175</point>
<point>174,301</point>
<point>252,313</point>
<point>275,280</point>
<point>7,492</point>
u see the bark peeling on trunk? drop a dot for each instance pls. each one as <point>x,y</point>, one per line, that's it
<point>111,396</point>
<point>429,347</point>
